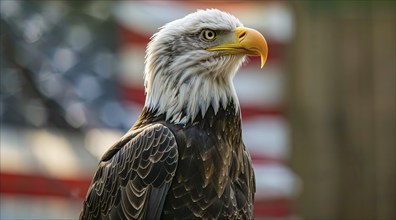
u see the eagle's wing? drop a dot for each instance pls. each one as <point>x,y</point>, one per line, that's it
<point>133,181</point>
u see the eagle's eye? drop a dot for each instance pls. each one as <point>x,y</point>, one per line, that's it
<point>208,35</point>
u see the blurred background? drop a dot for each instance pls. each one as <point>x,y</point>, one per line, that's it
<point>318,120</point>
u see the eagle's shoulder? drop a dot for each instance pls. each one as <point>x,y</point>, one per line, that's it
<point>134,175</point>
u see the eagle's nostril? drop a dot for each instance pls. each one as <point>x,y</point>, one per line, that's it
<point>242,35</point>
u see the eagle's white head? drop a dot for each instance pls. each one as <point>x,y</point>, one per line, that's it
<point>190,64</point>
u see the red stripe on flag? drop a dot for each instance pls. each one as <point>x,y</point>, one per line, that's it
<point>281,207</point>
<point>128,36</point>
<point>36,185</point>
<point>133,94</point>
<point>248,111</point>
<point>261,159</point>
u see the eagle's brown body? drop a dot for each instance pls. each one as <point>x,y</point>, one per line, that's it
<point>209,176</point>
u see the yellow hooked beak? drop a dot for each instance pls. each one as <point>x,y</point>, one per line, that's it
<point>247,41</point>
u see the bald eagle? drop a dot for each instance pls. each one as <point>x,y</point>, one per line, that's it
<point>184,158</point>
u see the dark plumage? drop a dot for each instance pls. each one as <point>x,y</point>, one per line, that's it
<point>184,158</point>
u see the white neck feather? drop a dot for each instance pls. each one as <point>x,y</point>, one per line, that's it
<point>182,91</point>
